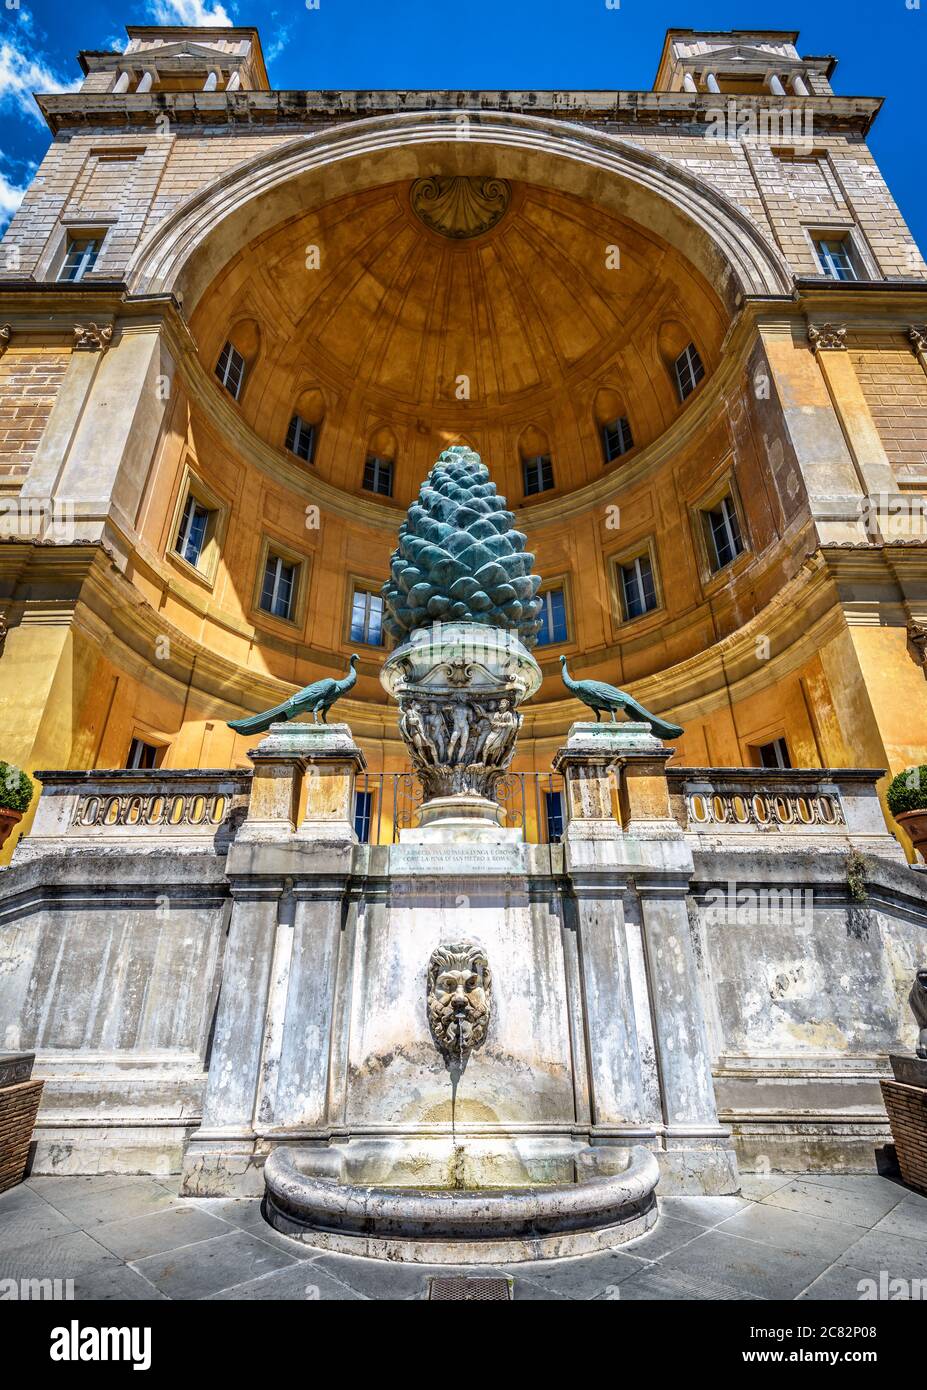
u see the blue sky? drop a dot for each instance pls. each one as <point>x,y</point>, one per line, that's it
<point>478,43</point>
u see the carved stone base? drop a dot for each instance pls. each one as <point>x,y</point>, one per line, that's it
<point>459,686</point>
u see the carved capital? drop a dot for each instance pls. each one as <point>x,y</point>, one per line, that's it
<point>6,333</point>
<point>918,336</point>
<point>89,337</point>
<point>827,337</point>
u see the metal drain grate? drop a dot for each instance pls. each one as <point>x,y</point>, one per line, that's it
<point>461,1288</point>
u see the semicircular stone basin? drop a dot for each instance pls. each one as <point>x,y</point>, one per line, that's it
<point>460,1226</point>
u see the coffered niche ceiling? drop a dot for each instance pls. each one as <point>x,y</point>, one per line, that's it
<point>459,334</point>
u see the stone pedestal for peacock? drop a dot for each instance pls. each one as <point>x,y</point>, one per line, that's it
<point>490,1046</point>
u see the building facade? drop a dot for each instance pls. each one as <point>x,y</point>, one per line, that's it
<point>683,327</point>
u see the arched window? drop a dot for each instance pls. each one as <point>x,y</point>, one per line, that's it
<point>537,467</point>
<point>379,462</point>
<point>681,358</point>
<point>238,356</point>
<point>612,424</point>
<point>302,436</point>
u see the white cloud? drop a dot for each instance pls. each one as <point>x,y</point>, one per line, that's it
<point>277,44</point>
<point>10,198</point>
<point>20,76</point>
<point>189,12</point>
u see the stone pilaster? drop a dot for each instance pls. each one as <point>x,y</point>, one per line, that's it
<point>279,763</point>
<point>332,761</point>
<point>587,764</point>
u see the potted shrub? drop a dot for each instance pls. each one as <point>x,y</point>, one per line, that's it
<point>907,801</point>
<point>15,795</point>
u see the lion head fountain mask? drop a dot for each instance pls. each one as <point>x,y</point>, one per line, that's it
<point>459,998</point>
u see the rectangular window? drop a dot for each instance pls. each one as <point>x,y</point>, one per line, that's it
<point>836,258</point>
<point>278,592</point>
<point>538,474</point>
<point>617,438</point>
<point>689,371</point>
<point>230,369</point>
<point>553,808</point>
<point>300,438</point>
<point>81,257</point>
<point>638,591</point>
<point>141,754</point>
<point>774,754</point>
<point>723,529</point>
<point>363,805</point>
<point>553,618</point>
<point>378,476</point>
<point>367,618</point>
<point>191,537</point>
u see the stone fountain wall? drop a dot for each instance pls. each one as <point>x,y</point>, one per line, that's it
<point>203,978</point>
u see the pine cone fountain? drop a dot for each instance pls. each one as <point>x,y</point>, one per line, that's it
<point>462,602</point>
<point>459,557</point>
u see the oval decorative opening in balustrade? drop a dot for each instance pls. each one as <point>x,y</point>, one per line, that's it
<point>197,813</point>
<point>826,810</point>
<point>698,807</point>
<point>719,809</point>
<point>761,809</point>
<point>155,813</point>
<point>217,814</point>
<point>740,809</point>
<point>111,813</point>
<point>805,810</point>
<point>177,809</point>
<point>91,811</point>
<point>133,811</point>
<point>785,812</point>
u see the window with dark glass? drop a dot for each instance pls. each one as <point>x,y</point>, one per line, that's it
<point>774,754</point>
<point>553,618</point>
<point>378,476</point>
<point>724,538</point>
<point>363,805</point>
<point>689,371</point>
<point>230,369</point>
<point>553,808</point>
<point>300,438</point>
<point>367,618</point>
<point>638,591</point>
<point>141,754</point>
<point>191,535</point>
<point>616,438</point>
<point>278,591</point>
<point>80,257</point>
<point>836,258</point>
<point>538,474</point>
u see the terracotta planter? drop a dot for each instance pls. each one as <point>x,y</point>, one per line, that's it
<point>8,819</point>
<point>913,823</point>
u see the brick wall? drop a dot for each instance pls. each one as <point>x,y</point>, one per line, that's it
<point>895,388</point>
<point>29,384</point>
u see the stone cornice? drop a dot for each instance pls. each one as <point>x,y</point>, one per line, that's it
<point>26,305</point>
<point>107,608</point>
<point>297,109</point>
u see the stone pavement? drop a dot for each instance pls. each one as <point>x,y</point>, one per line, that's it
<point>809,1236</point>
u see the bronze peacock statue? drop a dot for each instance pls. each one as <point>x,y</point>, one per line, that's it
<point>316,698</point>
<point>599,696</point>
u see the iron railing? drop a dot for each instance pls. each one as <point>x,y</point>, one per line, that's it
<point>387,802</point>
